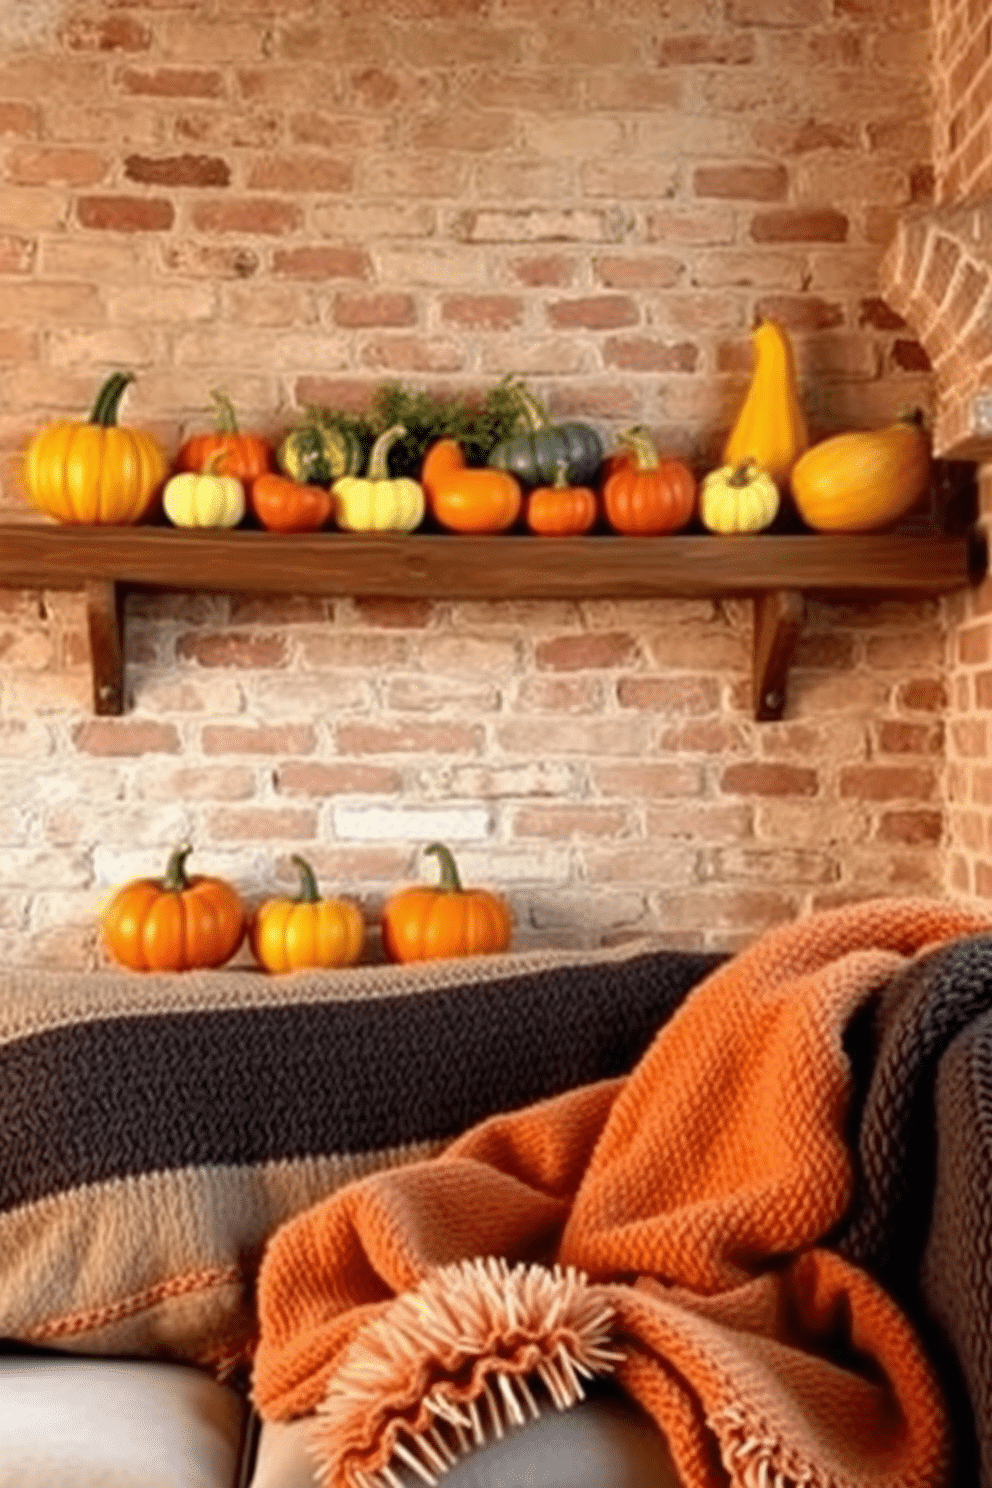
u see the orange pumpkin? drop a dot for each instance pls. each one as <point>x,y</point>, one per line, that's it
<point>226,451</point>
<point>425,924</point>
<point>286,934</point>
<point>284,505</point>
<point>468,500</point>
<point>561,510</point>
<point>646,495</point>
<point>174,923</point>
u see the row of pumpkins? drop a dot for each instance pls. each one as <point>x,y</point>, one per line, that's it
<point>183,922</point>
<point>556,477</point>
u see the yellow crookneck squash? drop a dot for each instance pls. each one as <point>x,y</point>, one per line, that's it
<point>771,427</point>
<point>860,482</point>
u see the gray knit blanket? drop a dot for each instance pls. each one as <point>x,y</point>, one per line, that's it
<point>921,1220</point>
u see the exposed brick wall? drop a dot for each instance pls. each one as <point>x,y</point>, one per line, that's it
<point>959,231</point>
<point>295,201</point>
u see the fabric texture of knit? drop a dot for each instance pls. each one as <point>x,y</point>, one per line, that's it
<point>696,1193</point>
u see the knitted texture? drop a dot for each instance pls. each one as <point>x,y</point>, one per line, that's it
<point>693,1194</point>
<point>158,1128</point>
<point>957,1264</point>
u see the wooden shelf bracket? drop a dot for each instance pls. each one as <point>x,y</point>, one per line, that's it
<point>778,620</point>
<point>105,620</point>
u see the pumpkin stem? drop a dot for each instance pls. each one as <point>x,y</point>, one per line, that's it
<point>529,409</point>
<point>175,879</point>
<point>450,882</point>
<point>743,474</point>
<point>309,893</point>
<point>108,399</point>
<point>561,475</point>
<point>639,441</point>
<point>378,467</point>
<point>227,419</point>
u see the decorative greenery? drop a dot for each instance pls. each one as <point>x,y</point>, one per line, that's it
<point>478,425</point>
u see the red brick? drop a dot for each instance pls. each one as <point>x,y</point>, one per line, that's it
<point>209,260</point>
<point>409,738</point>
<point>648,782</point>
<point>247,215</point>
<point>565,823</point>
<point>800,225</point>
<point>801,312</point>
<point>923,695</point>
<point>895,736</point>
<point>225,649</point>
<point>382,309</point>
<point>311,778</point>
<point>412,354</point>
<point>17,254</point>
<point>593,313</point>
<point>301,173</point>
<point>262,824</point>
<point>43,165</point>
<point>482,312</point>
<point>887,783</point>
<point>910,356</point>
<point>876,314</point>
<point>592,649</point>
<point>741,182</point>
<point>19,120</point>
<point>649,354</point>
<point>117,33</point>
<point>544,271</point>
<point>667,695</point>
<point>125,213</point>
<point>657,271</point>
<point>769,780</point>
<point>126,738</point>
<point>706,49</point>
<point>173,82</point>
<point>318,262</point>
<point>178,170</point>
<point>911,828</point>
<point>261,739</point>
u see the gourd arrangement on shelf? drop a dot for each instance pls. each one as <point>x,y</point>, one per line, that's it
<point>483,469</point>
<point>185,922</point>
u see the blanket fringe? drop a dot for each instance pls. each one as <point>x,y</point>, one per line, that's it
<point>497,1345</point>
<point>752,1455</point>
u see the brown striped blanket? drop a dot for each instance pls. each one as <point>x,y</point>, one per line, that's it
<point>158,1128</point>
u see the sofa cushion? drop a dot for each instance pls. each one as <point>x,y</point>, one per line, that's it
<point>115,1424</point>
<point>158,1128</point>
<point>605,1442</point>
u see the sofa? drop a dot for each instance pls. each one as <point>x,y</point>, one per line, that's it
<point>160,1130</point>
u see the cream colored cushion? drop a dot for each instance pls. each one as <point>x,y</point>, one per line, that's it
<point>85,1423</point>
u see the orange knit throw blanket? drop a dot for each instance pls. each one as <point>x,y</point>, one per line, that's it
<point>695,1194</point>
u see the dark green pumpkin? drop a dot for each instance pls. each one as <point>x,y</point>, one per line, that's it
<point>536,454</point>
<point>316,453</point>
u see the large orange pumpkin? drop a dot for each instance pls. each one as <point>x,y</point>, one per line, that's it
<point>174,923</point>
<point>425,924</point>
<point>95,471</point>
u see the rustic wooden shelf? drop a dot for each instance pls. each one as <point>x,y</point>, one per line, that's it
<point>775,570</point>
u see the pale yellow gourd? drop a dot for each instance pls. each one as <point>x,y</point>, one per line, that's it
<point>771,427</point>
<point>738,498</point>
<point>377,502</point>
<point>860,482</point>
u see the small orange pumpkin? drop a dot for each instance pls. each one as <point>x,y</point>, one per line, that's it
<point>646,495</point>
<point>468,500</point>
<point>561,510</point>
<point>174,923</point>
<point>226,451</point>
<point>425,924</point>
<point>284,505</point>
<point>286,934</point>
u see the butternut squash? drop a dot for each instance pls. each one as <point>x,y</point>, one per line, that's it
<point>771,428</point>
<point>859,482</point>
